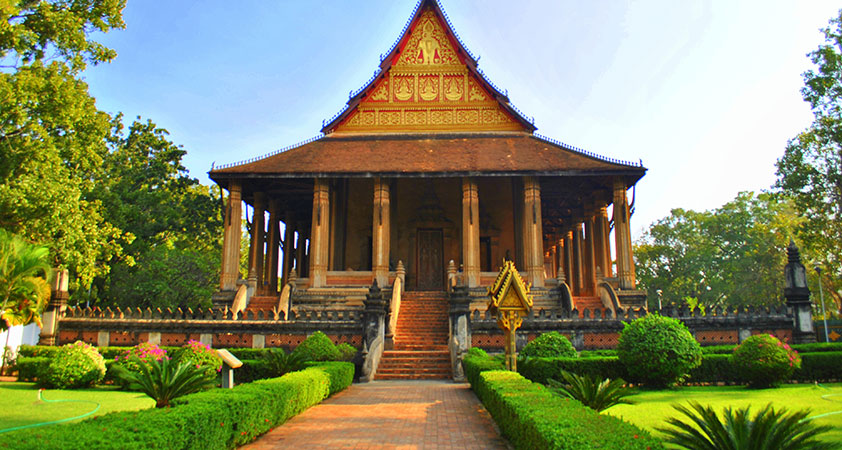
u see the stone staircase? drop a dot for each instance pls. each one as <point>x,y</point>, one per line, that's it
<point>263,303</point>
<point>591,303</point>
<point>421,350</point>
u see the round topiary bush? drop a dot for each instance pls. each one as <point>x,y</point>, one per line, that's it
<point>73,366</point>
<point>550,345</point>
<point>318,347</point>
<point>200,355</point>
<point>658,351</point>
<point>764,361</point>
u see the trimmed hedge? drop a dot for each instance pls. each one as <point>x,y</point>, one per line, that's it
<point>475,363</point>
<point>820,366</point>
<point>531,417</point>
<point>215,419</point>
<point>30,367</point>
<point>540,370</point>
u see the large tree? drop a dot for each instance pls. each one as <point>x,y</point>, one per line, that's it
<point>173,260</point>
<point>52,137</point>
<point>810,170</point>
<point>730,256</point>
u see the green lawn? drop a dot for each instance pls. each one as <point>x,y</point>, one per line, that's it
<point>22,407</point>
<point>654,407</point>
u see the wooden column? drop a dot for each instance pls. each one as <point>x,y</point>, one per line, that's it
<point>381,232</point>
<point>622,237</point>
<point>258,224</point>
<point>470,232</point>
<point>533,232</point>
<point>289,250</point>
<point>272,247</point>
<point>578,273</point>
<point>231,238</point>
<point>320,233</point>
<point>590,255</point>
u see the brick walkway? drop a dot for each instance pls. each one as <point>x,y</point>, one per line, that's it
<point>390,415</point>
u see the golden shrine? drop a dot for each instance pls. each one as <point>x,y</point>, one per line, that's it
<point>428,174</point>
<point>510,301</point>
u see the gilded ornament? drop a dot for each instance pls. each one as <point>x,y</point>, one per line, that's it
<point>453,88</point>
<point>403,88</point>
<point>429,88</point>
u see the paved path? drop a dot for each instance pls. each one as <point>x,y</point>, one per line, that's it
<point>390,415</point>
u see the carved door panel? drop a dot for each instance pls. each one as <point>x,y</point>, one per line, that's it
<point>430,260</point>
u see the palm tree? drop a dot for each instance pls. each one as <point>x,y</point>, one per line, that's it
<point>24,269</point>
<point>772,429</point>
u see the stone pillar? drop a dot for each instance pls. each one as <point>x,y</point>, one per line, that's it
<point>272,247</point>
<point>533,232</point>
<point>55,308</point>
<point>602,249</point>
<point>554,261</point>
<point>231,238</point>
<point>289,248</point>
<point>622,237</point>
<point>300,252</point>
<point>381,234</point>
<point>320,233</point>
<point>470,232</point>
<point>460,329</point>
<point>570,273</point>
<point>578,272</point>
<point>798,297</point>
<point>562,261</point>
<point>590,256</point>
<point>258,223</point>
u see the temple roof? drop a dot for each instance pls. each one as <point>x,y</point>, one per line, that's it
<point>435,154</point>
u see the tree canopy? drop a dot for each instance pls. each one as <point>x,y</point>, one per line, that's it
<point>732,256</point>
<point>810,170</point>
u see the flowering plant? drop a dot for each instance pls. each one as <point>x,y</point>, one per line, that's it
<point>764,361</point>
<point>144,353</point>
<point>73,366</point>
<point>200,355</point>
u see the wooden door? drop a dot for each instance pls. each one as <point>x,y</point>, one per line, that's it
<point>430,260</point>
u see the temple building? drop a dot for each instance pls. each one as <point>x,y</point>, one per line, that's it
<point>430,175</point>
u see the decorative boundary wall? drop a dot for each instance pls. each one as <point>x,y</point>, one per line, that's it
<point>599,329</point>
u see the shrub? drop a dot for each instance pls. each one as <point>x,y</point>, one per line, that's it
<point>657,351</point>
<point>317,347</point>
<point>279,362</point>
<point>532,417</point>
<point>31,367</point>
<point>346,351</point>
<point>475,363</point>
<point>593,393</point>
<point>200,355</point>
<point>476,351</point>
<point>540,370</point>
<point>768,429</point>
<point>763,361</point>
<point>214,419</point>
<point>549,345</point>
<point>164,380</point>
<point>133,357</point>
<point>73,366</point>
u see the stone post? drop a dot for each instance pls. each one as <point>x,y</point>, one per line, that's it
<point>622,237</point>
<point>798,297</point>
<point>258,225</point>
<point>320,234</point>
<point>272,246</point>
<point>55,308</point>
<point>381,233</point>
<point>470,232</point>
<point>231,238</point>
<point>374,331</point>
<point>460,329</point>
<point>533,232</point>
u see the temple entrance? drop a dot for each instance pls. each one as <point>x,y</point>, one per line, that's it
<point>430,260</point>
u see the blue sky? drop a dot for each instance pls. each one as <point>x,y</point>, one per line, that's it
<point>706,93</point>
